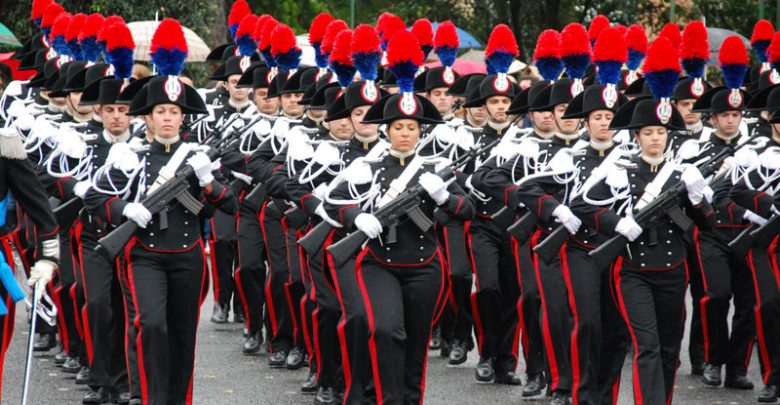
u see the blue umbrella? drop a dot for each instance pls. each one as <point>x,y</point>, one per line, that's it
<point>466,40</point>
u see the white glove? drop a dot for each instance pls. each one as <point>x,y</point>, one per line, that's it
<point>202,166</point>
<point>320,211</point>
<point>81,188</point>
<point>137,213</point>
<point>628,228</point>
<point>369,225</point>
<point>435,187</point>
<point>709,194</point>
<point>567,218</point>
<point>754,218</point>
<point>40,275</point>
<point>243,177</point>
<point>695,184</point>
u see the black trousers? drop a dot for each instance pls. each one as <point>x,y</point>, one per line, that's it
<point>301,307</point>
<point>250,274</point>
<point>64,298</point>
<point>324,320</point>
<point>723,275</point>
<point>166,290</point>
<point>77,295</point>
<point>402,304</point>
<point>696,338</point>
<point>763,265</point>
<point>599,335</point>
<point>131,333</point>
<point>496,301</point>
<point>276,293</point>
<point>223,255</point>
<point>653,306</point>
<point>457,320</point>
<point>105,318</point>
<point>555,319</point>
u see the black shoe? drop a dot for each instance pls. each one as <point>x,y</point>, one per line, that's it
<point>60,358</point>
<point>83,376</point>
<point>768,394</point>
<point>135,401</point>
<point>252,343</point>
<point>459,354</point>
<point>508,378</point>
<point>325,396</point>
<point>737,382</point>
<point>238,316</point>
<point>121,398</point>
<point>296,359</point>
<point>697,368</point>
<point>310,386</point>
<point>534,386</point>
<point>220,314</point>
<point>484,372</point>
<point>278,359</point>
<point>711,375</point>
<point>71,366</point>
<point>45,342</point>
<point>99,396</point>
<point>560,398</point>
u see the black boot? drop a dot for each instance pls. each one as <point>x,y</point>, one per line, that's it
<point>310,386</point>
<point>484,372</point>
<point>737,381</point>
<point>534,386</point>
<point>71,365</point>
<point>252,343</point>
<point>98,396</point>
<point>459,353</point>
<point>296,359</point>
<point>711,375</point>
<point>83,376</point>
<point>768,394</point>
<point>278,359</point>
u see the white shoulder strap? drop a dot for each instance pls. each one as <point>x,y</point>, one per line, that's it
<point>398,185</point>
<point>169,170</point>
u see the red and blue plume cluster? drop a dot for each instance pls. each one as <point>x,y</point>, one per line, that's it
<point>547,55</point>
<point>446,43</point>
<point>695,49</point>
<point>734,62</point>
<point>366,52</point>
<point>575,50</point>
<point>388,25</point>
<point>404,58</point>
<point>636,40</point>
<point>238,11</point>
<point>264,45</point>
<point>257,33</point>
<point>50,14</point>
<point>423,30</point>
<point>72,35</point>
<point>316,34</point>
<point>169,48</point>
<point>760,39</point>
<point>38,8</point>
<point>501,49</point>
<point>773,52</point>
<point>88,37</point>
<point>57,34</point>
<point>597,25</point>
<point>105,32</point>
<point>672,32</point>
<point>119,50</point>
<point>246,44</point>
<point>340,58</point>
<point>284,48</point>
<point>609,55</point>
<point>331,31</point>
<point>661,68</point>
<point>622,29</point>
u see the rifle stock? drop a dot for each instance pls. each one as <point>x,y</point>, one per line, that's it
<point>68,211</point>
<point>112,244</point>
<point>523,228</point>
<point>548,249</point>
<point>313,241</point>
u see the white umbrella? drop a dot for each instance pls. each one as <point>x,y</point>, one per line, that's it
<point>143,31</point>
<point>307,51</point>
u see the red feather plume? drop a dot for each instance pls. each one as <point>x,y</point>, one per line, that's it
<point>672,32</point>
<point>599,24</point>
<point>74,27</point>
<point>282,39</point>
<point>773,52</point>
<point>381,22</point>
<point>610,46</point>
<point>268,29</point>
<point>636,38</point>
<point>621,29</point>
<point>331,32</point>
<point>169,35</point>
<point>403,47</point>
<point>342,48</point>
<point>762,31</point>
<point>502,39</point>
<point>60,26</point>
<point>365,39</point>
<point>548,45</point>
<point>661,55</point>
<point>257,33</point>
<point>238,11</point>
<point>575,41</point>
<point>695,44</point>
<point>393,24</point>
<point>318,26</point>
<point>105,28</point>
<point>119,36</point>
<point>423,30</point>
<point>92,27</point>
<point>51,13</point>
<point>38,8</point>
<point>733,51</point>
<point>247,26</point>
<point>446,35</point>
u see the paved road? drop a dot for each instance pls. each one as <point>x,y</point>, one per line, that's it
<point>224,376</point>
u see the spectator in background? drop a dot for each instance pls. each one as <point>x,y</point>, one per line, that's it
<point>140,71</point>
<point>528,76</point>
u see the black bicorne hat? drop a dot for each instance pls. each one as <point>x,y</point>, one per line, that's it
<point>721,99</point>
<point>403,106</point>
<point>464,84</point>
<point>388,79</point>
<point>67,73</point>
<point>167,90</point>
<point>325,96</point>
<point>688,88</point>
<point>300,81</point>
<point>440,77</point>
<point>257,76</point>
<point>595,97</point>
<point>766,99</point>
<point>49,73</point>
<point>627,78</point>
<point>638,88</point>
<point>236,65</point>
<point>357,94</point>
<point>322,81</point>
<point>645,112</point>
<point>85,77</point>
<point>562,91</point>
<point>106,90</point>
<point>491,86</point>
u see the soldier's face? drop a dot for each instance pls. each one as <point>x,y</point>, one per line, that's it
<point>598,125</point>
<point>392,89</point>
<point>685,107</point>
<point>543,120</point>
<point>652,140</point>
<point>362,129</point>
<point>496,107</point>
<point>403,134</point>
<point>442,100</point>
<point>114,117</point>
<point>567,127</point>
<point>269,106</point>
<point>73,102</point>
<point>341,129</point>
<point>236,94</point>
<point>167,120</point>
<point>290,104</point>
<point>477,115</point>
<point>727,123</point>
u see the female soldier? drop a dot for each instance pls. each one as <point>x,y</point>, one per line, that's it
<point>401,278</point>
